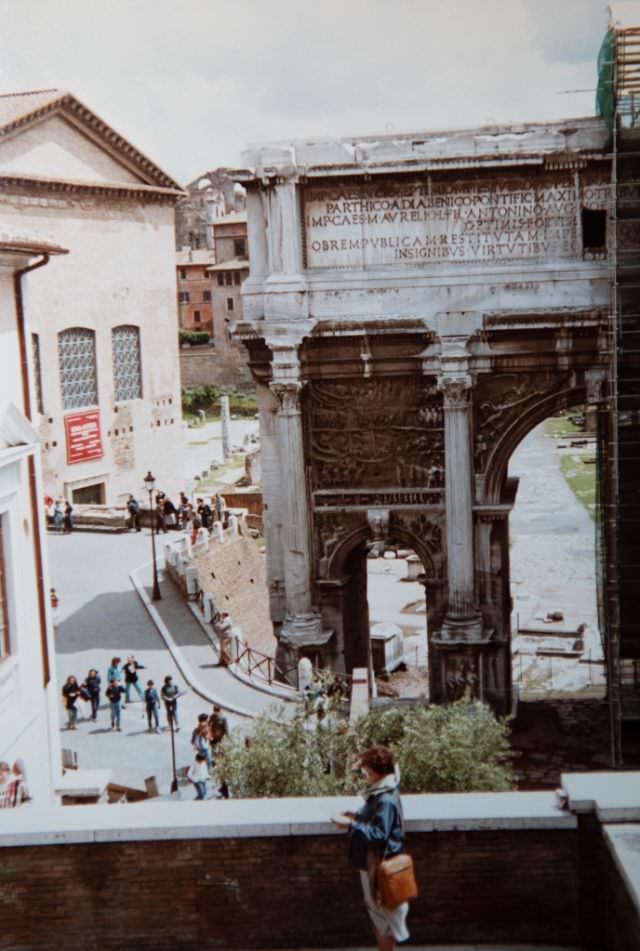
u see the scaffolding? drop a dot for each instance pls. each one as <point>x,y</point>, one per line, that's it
<point>618,523</point>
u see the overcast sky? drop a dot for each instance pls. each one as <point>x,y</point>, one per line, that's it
<point>190,82</point>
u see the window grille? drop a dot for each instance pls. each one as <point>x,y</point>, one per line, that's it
<point>78,376</point>
<point>127,373</point>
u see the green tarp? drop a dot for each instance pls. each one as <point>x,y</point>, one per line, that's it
<point>605,99</point>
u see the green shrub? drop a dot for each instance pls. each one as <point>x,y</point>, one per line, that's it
<point>196,338</point>
<point>460,747</point>
<point>207,398</point>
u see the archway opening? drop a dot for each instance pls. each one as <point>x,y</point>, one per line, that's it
<point>556,644</point>
<point>396,618</point>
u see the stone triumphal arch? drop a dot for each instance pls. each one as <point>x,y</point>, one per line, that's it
<point>416,304</point>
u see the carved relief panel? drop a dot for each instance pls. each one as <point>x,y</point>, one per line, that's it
<point>375,433</point>
<point>501,399</point>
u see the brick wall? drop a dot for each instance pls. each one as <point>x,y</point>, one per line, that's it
<point>235,572</point>
<point>221,365</point>
<point>290,892</point>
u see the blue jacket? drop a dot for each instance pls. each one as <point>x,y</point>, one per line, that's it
<point>377,825</point>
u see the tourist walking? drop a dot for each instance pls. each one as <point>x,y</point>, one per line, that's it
<point>71,695</point>
<point>161,525</point>
<point>200,738</point>
<point>376,832</point>
<point>169,513</point>
<point>183,508</point>
<point>91,688</point>
<point>114,672</point>
<point>204,512</point>
<point>114,695</point>
<point>152,703</point>
<point>219,507</point>
<point>68,518</point>
<point>58,516</point>
<point>130,670</point>
<point>170,693</point>
<point>54,600</point>
<point>133,507</point>
<point>198,773</point>
<point>218,728</point>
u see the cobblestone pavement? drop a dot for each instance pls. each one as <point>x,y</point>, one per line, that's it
<point>101,616</point>
<point>552,557</point>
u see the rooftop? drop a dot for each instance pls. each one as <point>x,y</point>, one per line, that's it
<point>233,264</point>
<point>187,256</point>
<point>19,109</point>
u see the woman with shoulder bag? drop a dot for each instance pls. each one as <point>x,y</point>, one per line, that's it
<point>376,834</point>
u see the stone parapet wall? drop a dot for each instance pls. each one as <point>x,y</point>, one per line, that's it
<point>496,868</point>
<point>224,366</point>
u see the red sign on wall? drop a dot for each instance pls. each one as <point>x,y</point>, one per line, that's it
<point>82,431</point>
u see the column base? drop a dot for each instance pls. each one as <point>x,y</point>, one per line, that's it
<point>304,630</point>
<point>462,630</point>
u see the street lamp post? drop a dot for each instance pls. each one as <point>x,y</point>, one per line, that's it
<point>174,781</point>
<point>150,482</point>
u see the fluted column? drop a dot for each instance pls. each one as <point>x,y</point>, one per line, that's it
<point>301,625</point>
<point>462,620</point>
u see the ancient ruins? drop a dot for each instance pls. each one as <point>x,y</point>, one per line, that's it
<point>416,304</point>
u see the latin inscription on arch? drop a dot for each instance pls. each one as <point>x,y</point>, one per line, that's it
<point>455,222</point>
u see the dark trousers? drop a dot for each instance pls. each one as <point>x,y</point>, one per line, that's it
<point>95,705</point>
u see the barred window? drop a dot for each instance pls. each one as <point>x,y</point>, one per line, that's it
<point>37,372</point>
<point>127,374</point>
<point>78,376</point>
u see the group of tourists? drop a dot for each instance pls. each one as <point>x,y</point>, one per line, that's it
<point>186,516</point>
<point>121,681</point>
<point>60,514</point>
<point>208,733</point>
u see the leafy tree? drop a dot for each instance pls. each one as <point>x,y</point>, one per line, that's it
<point>460,747</point>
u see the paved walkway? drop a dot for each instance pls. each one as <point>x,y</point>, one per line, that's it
<point>552,554</point>
<point>101,616</point>
<point>193,652</point>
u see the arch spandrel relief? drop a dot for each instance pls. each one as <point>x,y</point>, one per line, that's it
<point>366,434</point>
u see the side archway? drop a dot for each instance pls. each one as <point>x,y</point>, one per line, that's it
<point>498,461</point>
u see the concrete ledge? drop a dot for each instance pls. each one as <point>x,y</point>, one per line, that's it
<point>262,818</point>
<point>85,783</point>
<point>613,796</point>
<point>624,845</point>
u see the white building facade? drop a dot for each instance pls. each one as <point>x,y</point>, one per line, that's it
<point>30,763</point>
<point>103,323</point>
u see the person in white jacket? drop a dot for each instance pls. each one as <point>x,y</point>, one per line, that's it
<point>198,773</point>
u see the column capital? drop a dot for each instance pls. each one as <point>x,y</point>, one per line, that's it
<point>456,391</point>
<point>288,394</point>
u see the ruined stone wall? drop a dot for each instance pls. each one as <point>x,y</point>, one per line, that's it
<point>235,572</point>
